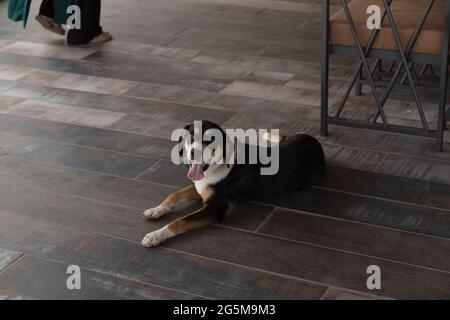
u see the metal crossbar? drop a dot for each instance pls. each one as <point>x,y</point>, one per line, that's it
<point>405,54</point>
<point>364,60</point>
<point>357,76</point>
<point>406,59</point>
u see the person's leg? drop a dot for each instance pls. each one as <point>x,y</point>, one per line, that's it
<point>46,8</point>
<point>90,23</point>
<point>45,18</point>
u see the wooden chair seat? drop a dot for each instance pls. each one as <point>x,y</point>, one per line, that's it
<point>406,13</point>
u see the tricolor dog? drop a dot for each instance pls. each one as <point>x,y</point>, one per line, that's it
<point>220,182</point>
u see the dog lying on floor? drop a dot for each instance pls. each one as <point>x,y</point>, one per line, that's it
<point>217,184</point>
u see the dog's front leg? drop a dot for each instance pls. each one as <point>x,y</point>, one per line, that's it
<point>203,217</point>
<point>188,194</point>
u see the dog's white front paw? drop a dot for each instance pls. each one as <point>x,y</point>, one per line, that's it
<point>155,213</point>
<point>154,238</point>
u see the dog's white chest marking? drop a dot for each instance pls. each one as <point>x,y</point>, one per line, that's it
<point>216,175</point>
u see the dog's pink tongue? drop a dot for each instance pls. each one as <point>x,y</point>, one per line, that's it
<point>195,172</point>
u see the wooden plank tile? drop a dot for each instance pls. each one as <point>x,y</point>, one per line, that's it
<point>273,5</point>
<point>150,49</point>
<point>139,195</point>
<point>116,190</point>
<point>271,92</point>
<point>361,238</point>
<point>113,78</point>
<point>12,296</point>
<point>63,113</point>
<point>315,263</point>
<point>5,85</point>
<point>7,257</point>
<point>113,103</point>
<point>418,168</point>
<point>344,156</point>
<point>106,162</point>
<point>301,68</point>
<point>13,73</point>
<point>368,210</point>
<point>46,279</point>
<point>157,64</point>
<point>294,259</point>
<point>86,136</point>
<point>165,172</point>
<point>200,276</point>
<point>214,100</point>
<point>387,186</point>
<point>385,142</point>
<point>79,82</point>
<point>161,127</point>
<point>46,50</point>
<point>339,294</point>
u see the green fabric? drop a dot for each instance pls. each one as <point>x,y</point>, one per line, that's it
<point>18,10</point>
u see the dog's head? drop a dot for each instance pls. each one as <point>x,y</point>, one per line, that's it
<point>204,148</point>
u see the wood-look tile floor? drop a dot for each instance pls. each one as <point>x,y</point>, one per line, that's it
<point>84,149</point>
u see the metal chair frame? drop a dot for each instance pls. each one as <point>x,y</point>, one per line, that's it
<point>408,61</point>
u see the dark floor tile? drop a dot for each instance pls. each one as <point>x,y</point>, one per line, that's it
<point>28,175</point>
<point>418,168</point>
<point>175,270</point>
<point>45,279</point>
<point>86,136</point>
<point>415,191</point>
<point>7,257</point>
<point>337,268</point>
<point>116,103</point>
<point>73,156</point>
<point>5,85</point>
<point>13,296</point>
<point>339,294</point>
<point>165,172</point>
<point>361,238</point>
<point>369,210</point>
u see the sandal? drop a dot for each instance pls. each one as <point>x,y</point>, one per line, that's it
<point>50,25</point>
<point>101,38</point>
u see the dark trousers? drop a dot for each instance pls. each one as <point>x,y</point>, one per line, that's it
<point>90,20</point>
<point>46,8</point>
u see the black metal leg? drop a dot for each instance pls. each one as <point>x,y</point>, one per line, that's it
<point>356,79</point>
<point>364,61</point>
<point>405,63</point>
<point>404,54</point>
<point>325,60</point>
<point>358,85</point>
<point>444,83</point>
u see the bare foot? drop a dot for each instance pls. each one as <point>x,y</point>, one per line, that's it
<point>103,37</point>
<point>50,25</point>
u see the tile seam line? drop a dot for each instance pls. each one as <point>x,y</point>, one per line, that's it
<point>120,276</point>
<point>256,202</point>
<point>305,243</point>
<point>298,211</point>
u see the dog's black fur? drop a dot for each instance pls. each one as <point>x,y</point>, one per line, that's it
<point>301,163</point>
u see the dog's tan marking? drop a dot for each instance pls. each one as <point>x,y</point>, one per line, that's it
<point>274,138</point>
<point>186,194</point>
<point>182,225</point>
<point>207,193</point>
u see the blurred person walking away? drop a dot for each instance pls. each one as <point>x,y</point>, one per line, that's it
<point>53,14</point>
<point>91,31</point>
